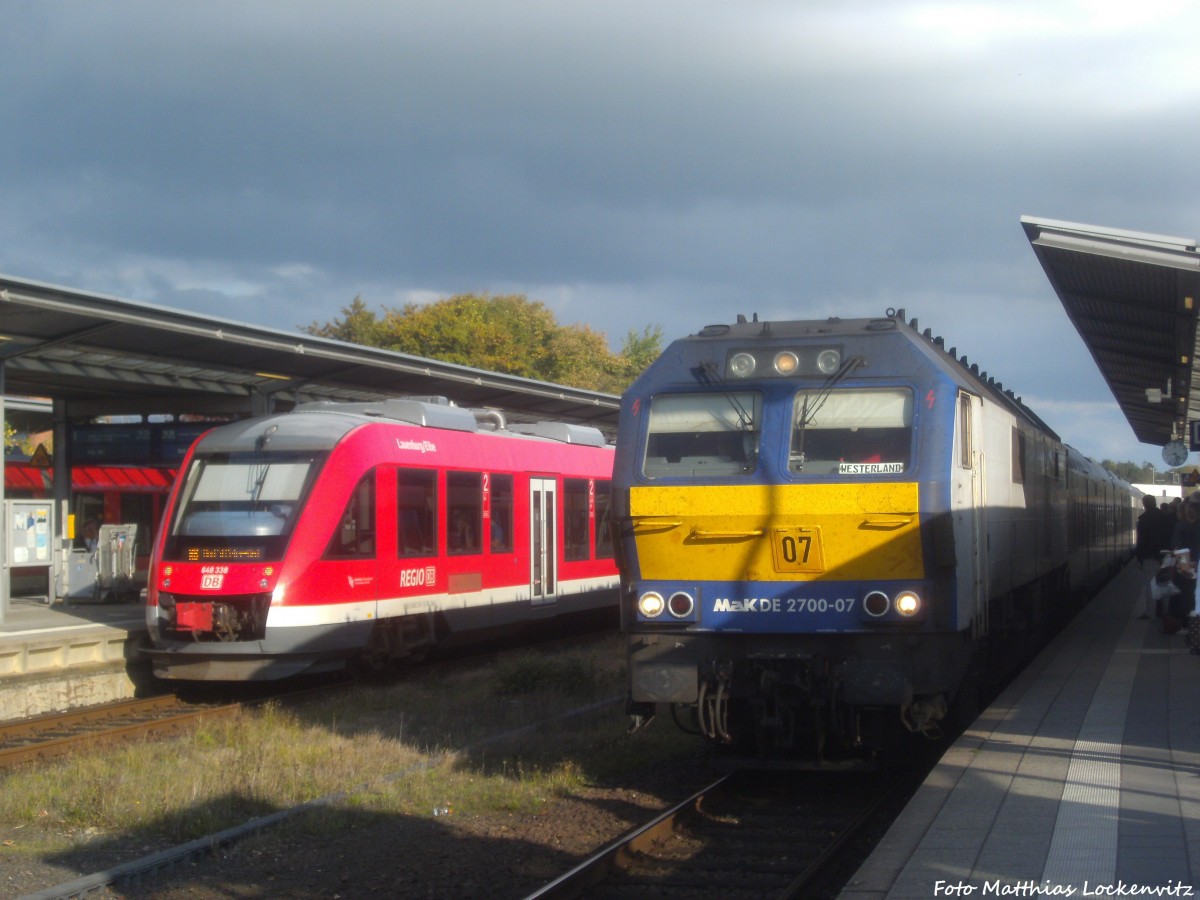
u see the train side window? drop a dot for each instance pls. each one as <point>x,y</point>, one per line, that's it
<point>354,536</point>
<point>416,502</point>
<point>502,514</point>
<point>604,537</point>
<point>575,518</point>
<point>966,449</point>
<point>464,502</point>
<point>1018,456</point>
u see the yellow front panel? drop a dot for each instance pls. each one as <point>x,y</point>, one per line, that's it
<point>795,532</point>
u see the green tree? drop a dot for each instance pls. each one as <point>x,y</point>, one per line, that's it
<point>358,325</point>
<point>639,350</point>
<point>1131,472</point>
<point>507,333</point>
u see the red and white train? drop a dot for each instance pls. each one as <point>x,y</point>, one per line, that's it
<point>298,542</point>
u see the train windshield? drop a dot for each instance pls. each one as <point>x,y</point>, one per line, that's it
<point>703,434</point>
<point>239,506</point>
<point>851,431</point>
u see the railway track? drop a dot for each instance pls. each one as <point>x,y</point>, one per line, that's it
<point>56,734</point>
<point>752,835</point>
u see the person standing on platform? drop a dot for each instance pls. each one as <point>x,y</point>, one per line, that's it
<point>1153,533</point>
<point>1186,537</point>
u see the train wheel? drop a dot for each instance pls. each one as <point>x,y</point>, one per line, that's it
<point>374,655</point>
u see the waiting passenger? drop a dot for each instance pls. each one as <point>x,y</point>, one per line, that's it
<point>91,535</point>
<point>1186,537</point>
<point>1151,541</point>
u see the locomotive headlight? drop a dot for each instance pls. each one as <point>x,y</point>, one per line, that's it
<point>786,362</point>
<point>828,361</point>
<point>681,605</point>
<point>741,365</point>
<point>876,603</point>
<point>651,604</point>
<point>908,604</point>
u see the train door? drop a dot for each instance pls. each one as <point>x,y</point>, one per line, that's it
<point>543,543</point>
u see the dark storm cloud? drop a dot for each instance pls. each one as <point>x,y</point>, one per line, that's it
<point>627,163</point>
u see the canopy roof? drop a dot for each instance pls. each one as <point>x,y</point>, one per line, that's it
<point>107,356</point>
<point>1132,297</point>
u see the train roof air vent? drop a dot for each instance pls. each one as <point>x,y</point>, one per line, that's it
<point>431,412</point>
<point>561,431</point>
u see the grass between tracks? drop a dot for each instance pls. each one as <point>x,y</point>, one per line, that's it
<point>415,746</point>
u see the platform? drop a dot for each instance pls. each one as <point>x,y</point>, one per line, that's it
<point>1084,774</point>
<point>63,656</point>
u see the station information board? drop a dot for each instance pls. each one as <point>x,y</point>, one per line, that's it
<point>29,532</point>
<point>146,444</point>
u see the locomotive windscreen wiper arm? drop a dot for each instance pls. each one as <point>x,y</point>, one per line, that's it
<point>706,374</point>
<point>812,404</point>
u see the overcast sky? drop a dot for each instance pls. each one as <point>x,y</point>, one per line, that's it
<point>659,162</point>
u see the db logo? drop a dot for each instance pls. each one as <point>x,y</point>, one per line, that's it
<point>211,582</point>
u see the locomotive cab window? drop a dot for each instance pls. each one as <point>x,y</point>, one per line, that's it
<point>966,446</point>
<point>851,431</point>
<point>703,434</point>
<point>239,506</point>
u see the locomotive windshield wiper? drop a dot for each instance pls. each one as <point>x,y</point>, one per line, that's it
<point>256,475</point>
<point>707,374</point>
<point>808,413</point>
<point>812,404</point>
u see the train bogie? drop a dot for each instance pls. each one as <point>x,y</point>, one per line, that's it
<point>828,529</point>
<point>368,533</point>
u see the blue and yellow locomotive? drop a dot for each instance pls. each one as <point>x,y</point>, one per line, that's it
<point>830,529</point>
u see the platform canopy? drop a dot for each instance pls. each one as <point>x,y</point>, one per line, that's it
<point>1133,299</point>
<point>106,356</point>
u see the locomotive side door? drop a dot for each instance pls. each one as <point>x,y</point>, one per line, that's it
<point>543,541</point>
<point>970,520</point>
